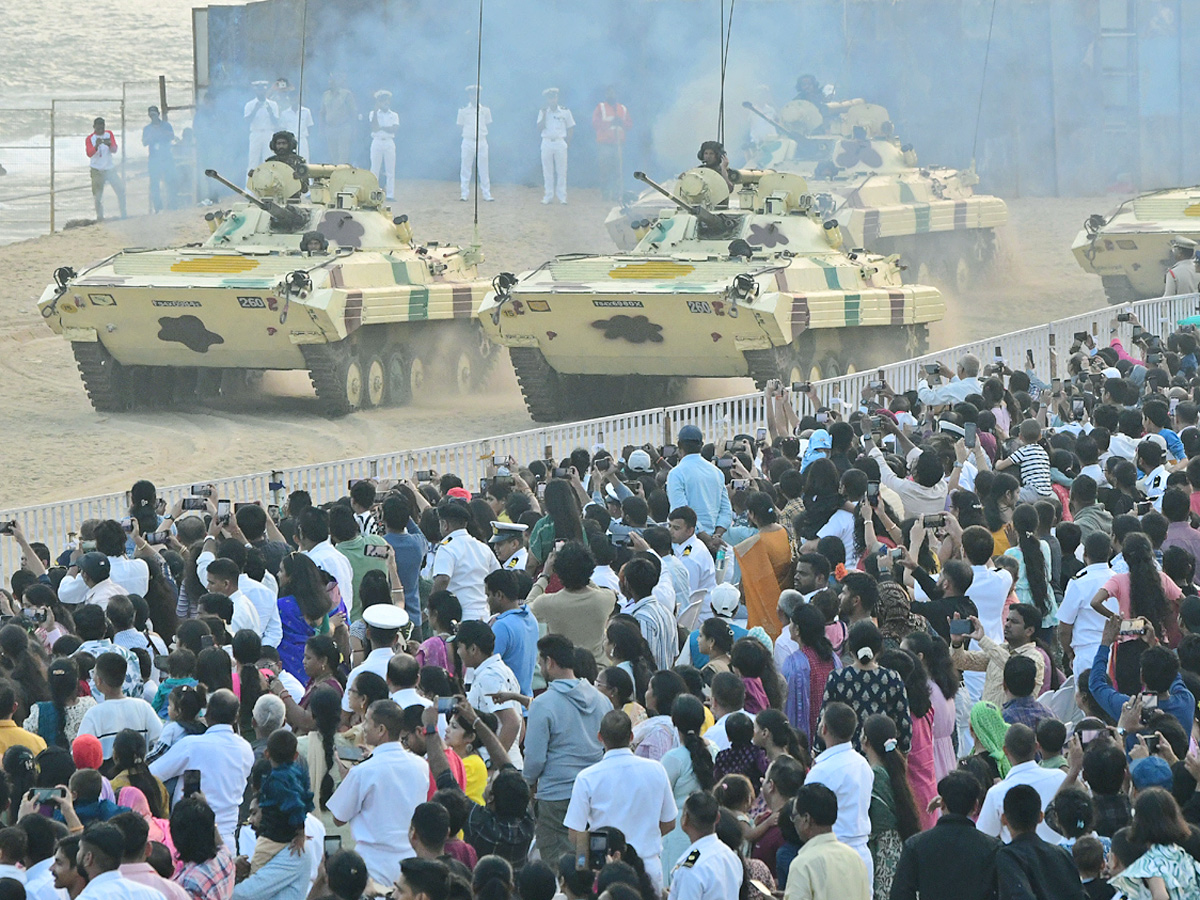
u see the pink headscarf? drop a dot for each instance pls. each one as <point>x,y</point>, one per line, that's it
<point>160,829</point>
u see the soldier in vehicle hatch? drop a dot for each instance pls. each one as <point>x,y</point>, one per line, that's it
<point>712,155</point>
<point>283,149</point>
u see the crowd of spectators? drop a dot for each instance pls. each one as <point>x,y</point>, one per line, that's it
<point>940,643</point>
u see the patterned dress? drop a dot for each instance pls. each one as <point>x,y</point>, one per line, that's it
<point>1171,863</point>
<point>884,843</point>
<point>870,691</point>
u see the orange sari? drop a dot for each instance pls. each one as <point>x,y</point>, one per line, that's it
<point>765,560</point>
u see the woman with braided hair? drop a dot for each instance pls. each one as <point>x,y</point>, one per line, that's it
<point>689,767</point>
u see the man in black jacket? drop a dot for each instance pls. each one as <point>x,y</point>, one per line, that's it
<point>1031,868</point>
<point>947,596</point>
<point>952,859</point>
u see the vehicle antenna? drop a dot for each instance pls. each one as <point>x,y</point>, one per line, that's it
<point>478,106</point>
<point>983,81</point>
<point>725,28</point>
<point>300,86</point>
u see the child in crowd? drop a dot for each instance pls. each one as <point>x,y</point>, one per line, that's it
<point>734,792</point>
<point>827,601</point>
<point>741,757</point>
<point>1088,854</point>
<point>461,738</point>
<point>183,710</point>
<point>181,668</point>
<point>1051,735</point>
<point>284,799</point>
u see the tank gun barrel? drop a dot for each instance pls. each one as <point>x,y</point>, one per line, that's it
<point>783,129</point>
<point>288,219</point>
<point>709,218</point>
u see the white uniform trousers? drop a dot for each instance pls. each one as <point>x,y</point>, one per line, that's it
<point>260,148</point>
<point>554,169</point>
<point>468,160</point>
<point>383,163</point>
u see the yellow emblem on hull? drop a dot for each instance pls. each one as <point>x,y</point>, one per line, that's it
<point>655,269</point>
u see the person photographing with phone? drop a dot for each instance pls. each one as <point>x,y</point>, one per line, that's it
<point>1161,685</point>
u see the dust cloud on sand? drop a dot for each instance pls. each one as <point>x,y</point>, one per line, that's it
<point>57,447</point>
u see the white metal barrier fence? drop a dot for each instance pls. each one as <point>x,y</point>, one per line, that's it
<point>718,419</point>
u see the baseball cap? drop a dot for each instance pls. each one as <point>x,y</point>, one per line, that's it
<point>95,565</point>
<point>1111,372</point>
<point>691,433</point>
<point>725,600</point>
<point>459,494</point>
<point>385,617</point>
<point>639,461</point>
<point>1151,771</point>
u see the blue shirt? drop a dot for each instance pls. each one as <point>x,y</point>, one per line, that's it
<point>284,877</point>
<point>1174,444</point>
<point>410,548</point>
<point>516,633</point>
<point>700,660</point>
<point>1180,703</point>
<point>698,484</point>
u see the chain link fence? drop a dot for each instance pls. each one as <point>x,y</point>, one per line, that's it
<point>47,184</point>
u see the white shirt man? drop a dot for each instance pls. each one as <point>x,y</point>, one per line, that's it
<point>702,571</point>
<point>262,117</point>
<point>112,885</point>
<point>377,797</point>
<point>377,662</point>
<point>556,124</point>
<point>841,526</point>
<point>224,759</point>
<point>385,122</point>
<point>847,773</point>
<point>262,595</point>
<point>466,562</point>
<point>326,557</point>
<point>491,677</point>
<point>125,576</point>
<point>108,719</point>
<point>244,614</point>
<point>466,121</point>
<point>602,794</point>
<point>299,121</point>
<point>1045,781</point>
<point>1087,625</point>
<point>708,870</point>
<point>989,591</point>
<point>39,881</point>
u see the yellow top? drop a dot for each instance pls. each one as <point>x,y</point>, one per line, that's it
<point>477,776</point>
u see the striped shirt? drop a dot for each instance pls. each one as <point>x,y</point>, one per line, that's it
<point>1035,468</point>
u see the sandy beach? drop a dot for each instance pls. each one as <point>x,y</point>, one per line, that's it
<point>45,414</point>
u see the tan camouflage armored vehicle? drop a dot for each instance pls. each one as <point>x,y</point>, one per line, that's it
<point>872,184</point>
<point>763,290</point>
<point>1130,248</point>
<point>333,285</point>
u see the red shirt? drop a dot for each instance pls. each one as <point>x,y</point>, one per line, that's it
<point>456,768</point>
<point>611,123</point>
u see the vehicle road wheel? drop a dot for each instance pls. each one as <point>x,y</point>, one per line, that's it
<point>416,376</point>
<point>375,386</point>
<point>337,376</point>
<point>397,389</point>
<point>105,380</point>
<point>962,275</point>
<point>463,369</point>
<point>924,273</point>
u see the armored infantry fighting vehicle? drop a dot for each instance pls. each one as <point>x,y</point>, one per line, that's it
<point>1130,248</point>
<point>333,285</point>
<point>883,200</point>
<point>764,290</point>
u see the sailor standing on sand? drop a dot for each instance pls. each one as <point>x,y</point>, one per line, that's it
<point>262,116</point>
<point>466,121</point>
<point>385,122</point>
<point>556,124</point>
